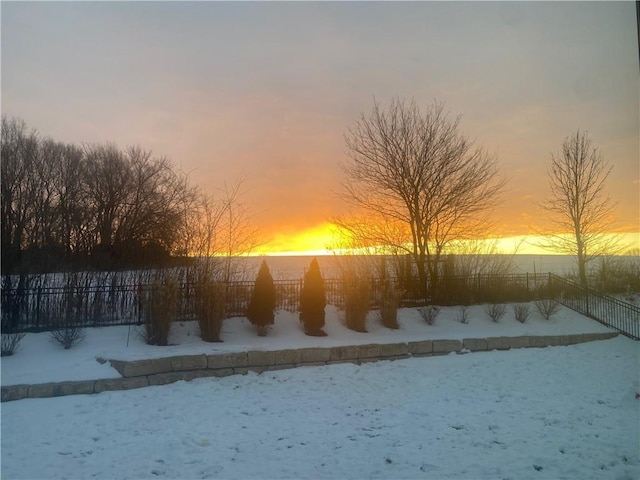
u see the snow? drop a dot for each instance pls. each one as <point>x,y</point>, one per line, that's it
<point>39,360</point>
<point>555,412</point>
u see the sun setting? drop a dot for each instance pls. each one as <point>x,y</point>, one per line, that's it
<point>320,240</point>
<point>221,96</point>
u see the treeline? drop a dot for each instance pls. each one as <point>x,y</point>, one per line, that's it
<point>96,206</point>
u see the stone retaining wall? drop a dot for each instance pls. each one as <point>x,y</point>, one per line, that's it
<point>161,371</point>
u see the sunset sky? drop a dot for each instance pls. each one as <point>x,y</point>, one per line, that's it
<point>266,91</point>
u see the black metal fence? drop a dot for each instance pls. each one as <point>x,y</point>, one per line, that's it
<point>610,311</point>
<point>43,308</point>
<point>475,289</point>
<point>38,308</point>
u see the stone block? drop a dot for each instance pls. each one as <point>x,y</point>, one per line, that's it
<point>141,368</point>
<point>498,343</point>
<point>424,347</point>
<point>565,340</point>
<point>188,362</point>
<point>186,376</point>
<point>169,377</point>
<point>109,384</point>
<point>338,362</point>
<point>541,341</point>
<point>446,346</point>
<point>227,360</point>
<point>287,357</point>
<point>283,366</point>
<point>240,370</point>
<point>475,344</point>
<point>394,350</point>
<point>519,342</point>
<point>339,354</point>
<point>42,390</point>
<point>82,387</point>
<point>315,355</point>
<point>14,392</point>
<point>257,358</point>
<point>368,351</point>
<point>219,372</point>
<point>313,364</point>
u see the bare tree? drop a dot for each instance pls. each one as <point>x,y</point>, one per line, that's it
<point>19,187</point>
<point>581,211</point>
<point>418,182</point>
<point>218,230</point>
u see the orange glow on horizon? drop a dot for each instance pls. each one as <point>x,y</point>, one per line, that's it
<point>321,239</point>
<point>326,239</point>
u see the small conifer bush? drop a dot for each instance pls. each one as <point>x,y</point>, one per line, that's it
<point>313,301</point>
<point>262,305</point>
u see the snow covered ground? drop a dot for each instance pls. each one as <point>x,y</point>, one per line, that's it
<point>556,412</point>
<point>39,360</point>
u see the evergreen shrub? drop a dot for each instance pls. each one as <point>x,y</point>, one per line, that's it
<point>313,301</point>
<point>262,305</point>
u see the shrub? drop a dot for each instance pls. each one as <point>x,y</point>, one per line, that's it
<point>161,311</point>
<point>68,335</point>
<point>495,311</point>
<point>389,302</point>
<point>463,314</point>
<point>547,307</point>
<point>356,274</point>
<point>429,314</point>
<point>313,301</point>
<point>210,308</point>
<point>66,331</point>
<point>10,342</point>
<point>356,303</point>
<point>521,312</point>
<point>262,305</point>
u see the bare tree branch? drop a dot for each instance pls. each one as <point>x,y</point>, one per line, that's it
<point>581,213</point>
<point>418,182</point>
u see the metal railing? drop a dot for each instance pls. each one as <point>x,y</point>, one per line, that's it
<point>608,310</point>
<point>43,308</point>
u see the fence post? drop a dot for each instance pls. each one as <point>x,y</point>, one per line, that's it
<point>38,307</point>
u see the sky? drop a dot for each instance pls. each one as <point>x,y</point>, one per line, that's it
<point>266,91</point>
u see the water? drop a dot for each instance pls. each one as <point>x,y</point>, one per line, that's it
<point>294,267</point>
